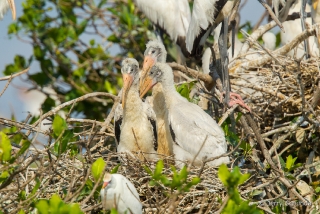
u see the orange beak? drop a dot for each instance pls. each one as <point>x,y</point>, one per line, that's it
<point>148,62</point>
<point>127,82</point>
<point>13,8</point>
<point>104,185</point>
<point>315,4</point>
<point>146,85</point>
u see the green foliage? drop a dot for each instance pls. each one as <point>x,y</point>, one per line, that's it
<point>59,125</point>
<point>5,147</point>
<point>62,135</point>
<point>290,164</point>
<point>56,205</point>
<point>185,89</point>
<point>97,168</point>
<point>179,180</point>
<point>231,180</point>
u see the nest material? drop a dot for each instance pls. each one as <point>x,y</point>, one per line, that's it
<point>276,101</point>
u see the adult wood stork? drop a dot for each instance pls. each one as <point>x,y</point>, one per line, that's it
<point>195,134</point>
<point>4,7</point>
<point>293,28</point>
<point>154,52</point>
<point>171,16</point>
<point>206,16</point>
<point>135,125</point>
<point>118,192</point>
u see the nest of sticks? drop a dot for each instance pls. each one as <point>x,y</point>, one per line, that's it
<point>285,120</point>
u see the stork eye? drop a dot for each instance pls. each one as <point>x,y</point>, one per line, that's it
<point>153,51</point>
<point>131,69</point>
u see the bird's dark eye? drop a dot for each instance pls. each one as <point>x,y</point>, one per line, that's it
<point>152,72</point>
<point>131,69</point>
<point>153,51</point>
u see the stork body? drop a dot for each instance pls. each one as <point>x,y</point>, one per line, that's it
<point>170,16</point>
<point>156,51</point>
<point>206,16</point>
<point>195,134</point>
<point>118,192</point>
<point>4,7</point>
<point>135,127</point>
<point>293,28</point>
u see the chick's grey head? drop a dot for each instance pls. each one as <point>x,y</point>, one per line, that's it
<point>156,50</point>
<point>130,66</point>
<point>159,73</point>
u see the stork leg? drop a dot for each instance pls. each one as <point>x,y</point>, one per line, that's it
<point>236,99</point>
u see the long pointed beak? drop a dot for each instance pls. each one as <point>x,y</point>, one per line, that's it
<point>148,62</point>
<point>146,85</point>
<point>127,82</point>
<point>104,185</point>
<point>13,8</point>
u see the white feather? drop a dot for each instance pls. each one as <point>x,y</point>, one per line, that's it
<point>122,195</point>
<point>202,16</point>
<point>4,7</point>
<point>172,15</point>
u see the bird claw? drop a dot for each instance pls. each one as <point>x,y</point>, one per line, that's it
<point>236,99</point>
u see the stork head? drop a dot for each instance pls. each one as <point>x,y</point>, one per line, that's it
<point>160,72</point>
<point>155,52</point>
<point>106,179</point>
<point>130,73</point>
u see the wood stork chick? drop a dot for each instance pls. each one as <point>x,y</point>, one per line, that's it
<point>118,192</point>
<point>5,5</point>
<point>135,128</point>
<point>156,52</point>
<point>190,127</point>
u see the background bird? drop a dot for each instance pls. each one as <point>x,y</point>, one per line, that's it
<point>118,192</point>
<point>135,121</point>
<point>4,7</point>
<point>195,134</point>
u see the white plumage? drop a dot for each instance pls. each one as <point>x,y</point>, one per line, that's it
<point>202,16</point>
<point>293,28</point>
<point>118,192</point>
<point>4,7</point>
<point>188,124</point>
<point>135,121</point>
<point>171,15</point>
<point>154,52</point>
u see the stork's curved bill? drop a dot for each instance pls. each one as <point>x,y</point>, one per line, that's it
<point>127,82</point>
<point>5,5</point>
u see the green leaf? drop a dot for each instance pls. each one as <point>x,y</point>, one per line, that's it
<point>54,202</point>
<point>113,38</point>
<point>67,135</point>
<point>25,146</point>
<point>58,125</point>
<point>224,174</point>
<point>115,169</point>
<point>4,175</point>
<point>5,147</point>
<point>183,173</point>
<point>158,169</point>
<point>42,207</point>
<point>97,168</point>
